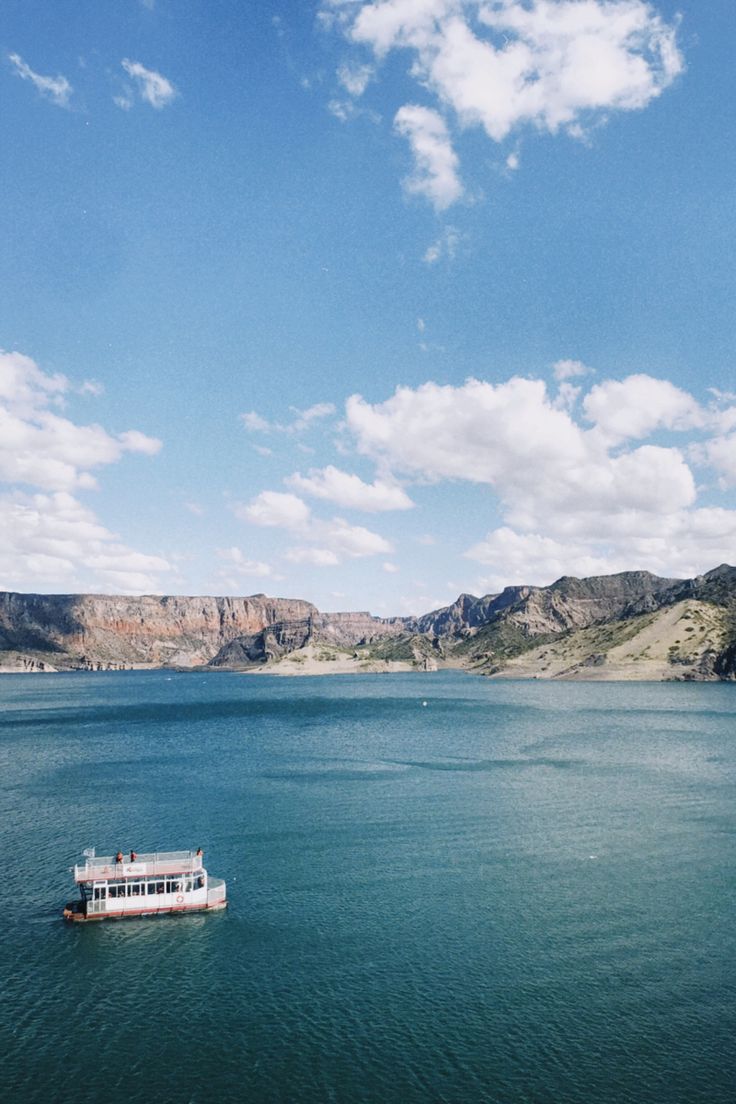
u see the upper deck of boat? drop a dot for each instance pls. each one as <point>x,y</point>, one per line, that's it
<point>102,867</point>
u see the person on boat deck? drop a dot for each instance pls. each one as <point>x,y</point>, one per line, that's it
<point>133,856</point>
<point>199,853</point>
<point>119,857</point>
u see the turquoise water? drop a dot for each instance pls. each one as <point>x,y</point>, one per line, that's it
<point>518,892</point>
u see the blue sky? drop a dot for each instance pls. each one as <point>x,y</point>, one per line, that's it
<point>232,231</point>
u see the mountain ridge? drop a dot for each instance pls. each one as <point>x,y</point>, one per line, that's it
<point>587,626</point>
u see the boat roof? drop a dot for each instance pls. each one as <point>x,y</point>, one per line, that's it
<point>104,867</point>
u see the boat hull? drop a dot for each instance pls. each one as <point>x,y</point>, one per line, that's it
<point>75,916</point>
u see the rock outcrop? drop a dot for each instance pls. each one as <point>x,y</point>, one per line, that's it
<point>341,630</point>
<point>89,630</point>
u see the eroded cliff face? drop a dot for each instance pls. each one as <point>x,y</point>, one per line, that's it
<point>606,626</point>
<point>90,630</point>
<point>341,630</point>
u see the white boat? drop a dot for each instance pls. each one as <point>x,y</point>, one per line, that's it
<point>114,888</point>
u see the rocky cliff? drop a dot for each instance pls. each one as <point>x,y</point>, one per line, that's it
<point>631,625</point>
<point>341,630</point>
<point>90,630</point>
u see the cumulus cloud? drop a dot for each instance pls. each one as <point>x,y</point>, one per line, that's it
<point>275,509</point>
<point>336,539</point>
<point>40,447</point>
<point>534,558</point>
<point>636,406</point>
<point>152,87</point>
<point>239,564</point>
<point>574,497</point>
<point>53,541</point>
<point>56,89</point>
<point>720,454</point>
<point>352,541</point>
<point>349,491</point>
<point>545,65</point>
<point>47,537</point>
<point>435,173</point>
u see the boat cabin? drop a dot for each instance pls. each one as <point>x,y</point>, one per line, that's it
<point>167,881</point>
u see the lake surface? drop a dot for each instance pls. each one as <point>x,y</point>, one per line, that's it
<point>520,893</point>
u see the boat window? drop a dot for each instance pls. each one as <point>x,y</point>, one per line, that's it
<point>134,889</point>
<point>199,881</point>
<point>116,889</point>
<point>100,893</point>
<point>188,885</point>
<point>174,886</point>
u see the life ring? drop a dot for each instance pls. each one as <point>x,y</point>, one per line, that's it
<point>180,899</point>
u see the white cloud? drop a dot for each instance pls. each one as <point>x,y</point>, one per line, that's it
<point>274,508</point>
<point>542,64</point>
<point>636,406</point>
<point>336,541</point>
<point>305,418</point>
<point>152,87</point>
<point>444,246</point>
<point>534,559</point>
<point>355,78</point>
<point>511,436</point>
<point>302,420</point>
<point>569,369</point>
<point>567,396</point>
<point>53,541</point>
<point>720,454</point>
<point>92,387</point>
<point>24,387</point>
<point>344,110</point>
<point>239,564</point>
<point>390,568</point>
<point>349,491</point>
<point>135,441</point>
<point>435,173</point>
<point>40,447</point>
<point>318,557</point>
<point>681,545</point>
<point>56,89</point>
<point>352,541</point>
<point>573,499</point>
<point>254,423</point>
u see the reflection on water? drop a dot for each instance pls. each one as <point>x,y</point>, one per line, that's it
<point>519,893</point>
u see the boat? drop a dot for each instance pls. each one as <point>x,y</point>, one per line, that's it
<point>114,888</point>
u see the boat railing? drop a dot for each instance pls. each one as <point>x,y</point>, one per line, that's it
<point>102,867</point>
